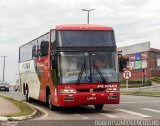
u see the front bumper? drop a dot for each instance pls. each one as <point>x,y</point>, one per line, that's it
<point>88,98</point>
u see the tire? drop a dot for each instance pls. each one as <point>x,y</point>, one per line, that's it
<point>98,107</point>
<point>24,89</point>
<point>18,89</point>
<point>28,99</point>
<point>51,107</point>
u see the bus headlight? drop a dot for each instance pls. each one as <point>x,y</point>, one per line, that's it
<point>67,91</point>
<point>115,89</point>
<point>112,89</point>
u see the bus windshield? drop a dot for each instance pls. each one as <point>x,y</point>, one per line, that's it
<point>87,67</point>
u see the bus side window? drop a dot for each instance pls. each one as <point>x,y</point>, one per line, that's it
<point>34,52</point>
<point>44,48</point>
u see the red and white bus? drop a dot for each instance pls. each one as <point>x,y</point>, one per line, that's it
<point>71,65</point>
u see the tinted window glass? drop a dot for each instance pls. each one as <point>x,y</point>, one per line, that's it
<point>34,49</point>
<point>26,52</point>
<point>85,38</point>
<point>44,45</point>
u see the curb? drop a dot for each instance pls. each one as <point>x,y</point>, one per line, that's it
<point>19,118</point>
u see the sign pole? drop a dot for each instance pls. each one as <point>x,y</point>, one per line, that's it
<point>127,84</point>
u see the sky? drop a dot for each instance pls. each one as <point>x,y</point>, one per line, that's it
<point>134,21</point>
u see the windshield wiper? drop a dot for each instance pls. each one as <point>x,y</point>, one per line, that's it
<point>100,73</point>
<point>80,74</point>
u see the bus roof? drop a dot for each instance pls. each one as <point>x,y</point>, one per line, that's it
<point>83,27</point>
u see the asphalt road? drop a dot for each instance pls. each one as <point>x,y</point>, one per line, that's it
<point>130,108</point>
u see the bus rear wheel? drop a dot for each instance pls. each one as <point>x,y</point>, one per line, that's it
<point>49,101</point>
<point>98,107</point>
<point>28,99</point>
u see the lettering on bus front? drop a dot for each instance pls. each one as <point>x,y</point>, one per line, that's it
<point>106,86</point>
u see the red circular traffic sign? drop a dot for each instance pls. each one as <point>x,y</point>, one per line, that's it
<point>127,74</point>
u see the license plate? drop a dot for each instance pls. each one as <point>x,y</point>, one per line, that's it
<point>113,97</point>
<point>91,98</point>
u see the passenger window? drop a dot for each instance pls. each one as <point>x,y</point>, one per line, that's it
<point>44,48</point>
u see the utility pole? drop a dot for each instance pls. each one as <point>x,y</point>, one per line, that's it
<point>4,65</point>
<point>88,10</point>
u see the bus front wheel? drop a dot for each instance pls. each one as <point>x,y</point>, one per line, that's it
<point>49,100</point>
<point>98,107</point>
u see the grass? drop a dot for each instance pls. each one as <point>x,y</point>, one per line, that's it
<point>123,85</point>
<point>156,79</point>
<point>24,108</point>
<point>135,83</point>
<point>143,93</point>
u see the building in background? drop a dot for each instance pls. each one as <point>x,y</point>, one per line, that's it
<point>142,60</point>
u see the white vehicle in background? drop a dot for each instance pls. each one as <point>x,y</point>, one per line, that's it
<point>16,86</point>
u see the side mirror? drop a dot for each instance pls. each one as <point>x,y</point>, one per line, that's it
<point>122,62</point>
